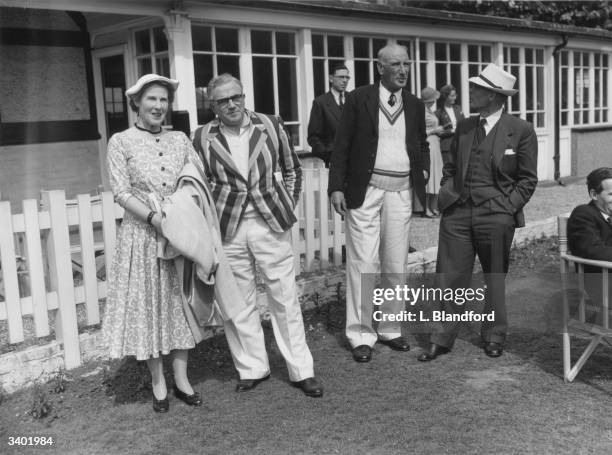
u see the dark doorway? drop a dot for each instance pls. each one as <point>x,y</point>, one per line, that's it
<point>113,88</point>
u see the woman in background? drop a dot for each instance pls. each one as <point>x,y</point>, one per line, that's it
<point>433,130</point>
<point>449,115</point>
<point>144,310</point>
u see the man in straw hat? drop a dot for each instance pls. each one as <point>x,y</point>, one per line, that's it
<point>490,176</point>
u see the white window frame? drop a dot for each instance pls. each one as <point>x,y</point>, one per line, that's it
<point>153,55</point>
<point>214,53</point>
<point>603,104</point>
<point>274,56</point>
<point>522,111</point>
<point>326,57</point>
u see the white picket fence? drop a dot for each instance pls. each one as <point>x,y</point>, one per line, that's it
<point>54,240</point>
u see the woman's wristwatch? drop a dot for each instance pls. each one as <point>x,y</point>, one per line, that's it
<point>150,217</point>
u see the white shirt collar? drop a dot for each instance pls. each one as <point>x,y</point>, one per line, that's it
<point>336,94</point>
<point>385,94</point>
<point>492,120</point>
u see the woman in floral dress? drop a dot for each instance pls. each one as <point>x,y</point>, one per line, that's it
<point>144,312</point>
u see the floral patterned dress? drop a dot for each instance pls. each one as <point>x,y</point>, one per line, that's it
<point>144,312</point>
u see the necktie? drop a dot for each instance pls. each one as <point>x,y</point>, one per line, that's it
<point>391,100</point>
<point>341,100</point>
<point>480,131</point>
<point>610,220</point>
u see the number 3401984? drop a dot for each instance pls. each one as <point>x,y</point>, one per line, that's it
<point>30,440</point>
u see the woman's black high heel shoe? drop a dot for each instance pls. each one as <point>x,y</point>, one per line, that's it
<point>192,400</point>
<point>161,405</point>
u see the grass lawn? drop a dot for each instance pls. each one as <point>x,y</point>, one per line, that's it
<point>463,402</point>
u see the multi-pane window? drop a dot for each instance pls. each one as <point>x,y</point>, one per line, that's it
<point>152,52</point>
<point>512,63</point>
<point>114,100</point>
<point>528,103</point>
<point>275,77</point>
<point>447,57</point>
<point>442,63</point>
<point>600,69</point>
<point>327,51</point>
<point>479,56</point>
<point>215,51</point>
<point>564,88</point>
<point>584,87</point>
<point>365,52</point>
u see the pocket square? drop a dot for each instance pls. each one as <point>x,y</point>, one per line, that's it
<point>509,152</point>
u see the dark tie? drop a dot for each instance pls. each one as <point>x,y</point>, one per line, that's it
<point>480,131</point>
<point>391,100</point>
<point>341,100</point>
<point>610,220</point>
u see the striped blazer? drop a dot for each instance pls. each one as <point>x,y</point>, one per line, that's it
<point>275,175</point>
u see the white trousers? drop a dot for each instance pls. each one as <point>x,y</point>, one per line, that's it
<point>256,244</point>
<point>376,241</point>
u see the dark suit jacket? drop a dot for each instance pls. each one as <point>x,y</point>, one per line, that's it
<point>324,117</point>
<point>588,234</point>
<point>514,163</point>
<point>356,144</point>
<point>447,136</point>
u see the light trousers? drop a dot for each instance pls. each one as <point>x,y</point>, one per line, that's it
<point>256,244</point>
<point>376,242</point>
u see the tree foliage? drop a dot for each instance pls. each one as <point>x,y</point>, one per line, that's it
<point>583,14</point>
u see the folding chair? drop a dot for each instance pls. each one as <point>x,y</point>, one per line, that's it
<point>597,332</point>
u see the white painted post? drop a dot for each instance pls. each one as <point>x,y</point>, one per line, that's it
<point>323,219</point>
<point>36,268</point>
<point>88,257</point>
<point>337,239</point>
<point>66,328</point>
<point>178,32</point>
<point>9,274</point>
<point>309,218</point>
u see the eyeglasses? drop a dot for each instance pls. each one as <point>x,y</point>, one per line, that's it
<point>348,78</point>
<point>224,102</point>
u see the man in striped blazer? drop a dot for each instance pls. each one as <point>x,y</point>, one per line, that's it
<point>256,179</point>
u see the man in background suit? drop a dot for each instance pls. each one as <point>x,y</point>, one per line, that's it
<point>256,179</point>
<point>325,113</point>
<point>490,176</point>
<point>589,229</point>
<point>379,157</point>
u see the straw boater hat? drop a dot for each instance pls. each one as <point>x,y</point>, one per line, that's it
<point>495,79</point>
<point>429,94</point>
<point>147,79</point>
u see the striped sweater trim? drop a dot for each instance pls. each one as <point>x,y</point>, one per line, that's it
<point>387,173</point>
<point>391,116</point>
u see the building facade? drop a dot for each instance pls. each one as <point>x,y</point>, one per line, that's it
<point>65,65</point>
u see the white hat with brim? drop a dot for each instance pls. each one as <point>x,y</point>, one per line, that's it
<point>147,79</point>
<point>495,79</point>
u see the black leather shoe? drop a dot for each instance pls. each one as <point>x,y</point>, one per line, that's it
<point>493,349</point>
<point>161,405</point>
<point>310,386</point>
<point>434,351</point>
<point>192,400</point>
<point>362,353</point>
<point>398,344</point>
<point>244,385</point>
